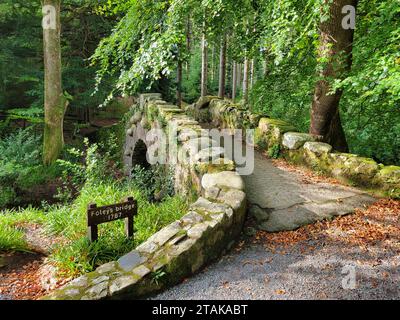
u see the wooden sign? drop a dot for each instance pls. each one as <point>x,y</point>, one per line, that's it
<point>98,215</point>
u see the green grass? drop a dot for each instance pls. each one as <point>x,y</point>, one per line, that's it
<point>75,255</point>
<point>11,238</point>
<point>11,234</point>
<point>66,223</point>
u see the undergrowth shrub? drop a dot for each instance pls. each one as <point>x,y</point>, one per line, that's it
<point>93,173</point>
<point>20,166</point>
<point>78,255</point>
<point>156,183</point>
<point>274,151</point>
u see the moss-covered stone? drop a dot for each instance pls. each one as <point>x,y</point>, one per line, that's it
<point>357,169</point>
<point>317,148</point>
<point>204,102</point>
<point>391,172</point>
<point>217,165</point>
<point>295,140</point>
<point>267,125</point>
<point>389,179</point>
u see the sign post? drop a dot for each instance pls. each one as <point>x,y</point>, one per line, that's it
<point>98,215</point>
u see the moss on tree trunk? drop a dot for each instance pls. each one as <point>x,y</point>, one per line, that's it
<point>55,103</point>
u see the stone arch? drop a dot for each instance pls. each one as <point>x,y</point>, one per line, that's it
<point>135,148</point>
<point>139,155</point>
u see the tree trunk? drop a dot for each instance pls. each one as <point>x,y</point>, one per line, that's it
<point>234,80</point>
<point>239,76</point>
<point>335,48</point>
<point>265,68</point>
<point>222,68</point>
<point>212,67</point>
<point>179,83</point>
<point>246,80</point>
<point>188,45</point>
<point>204,64</point>
<point>55,103</point>
<point>252,73</point>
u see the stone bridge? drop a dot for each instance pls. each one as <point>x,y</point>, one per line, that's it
<point>275,199</point>
<point>210,228</point>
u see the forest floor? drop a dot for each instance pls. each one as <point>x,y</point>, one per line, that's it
<point>356,256</point>
<point>19,276</point>
<point>29,275</point>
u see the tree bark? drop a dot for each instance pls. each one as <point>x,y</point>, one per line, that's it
<point>246,80</point>
<point>212,67</point>
<point>234,80</point>
<point>265,68</point>
<point>204,63</point>
<point>55,103</point>
<point>222,68</point>
<point>335,50</point>
<point>252,73</point>
<point>188,45</point>
<point>239,75</point>
<point>179,82</point>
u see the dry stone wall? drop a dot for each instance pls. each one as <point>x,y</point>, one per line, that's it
<point>279,137</point>
<point>210,227</point>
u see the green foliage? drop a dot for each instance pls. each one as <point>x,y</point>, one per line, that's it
<point>20,165</point>
<point>21,148</point>
<point>12,237</point>
<point>20,60</point>
<point>91,173</point>
<point>155,182</point>
<point>33,115</point>
<point>370,106</point>
<point>274,151</point>
<point>157,276</point>
<point>91,169</point>
<point>75,255</point>
<point>285,97</point>
<point>141,48</point>
<point>21,57</point>
<point>371,101</point>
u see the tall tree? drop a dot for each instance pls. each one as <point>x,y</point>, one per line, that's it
<point>212,62</point>
<point>204,61</point>
<point>234,79</point>
<point>252,70</point>
<point>222,68</point>
<point>55,103</point>
<point>179,78</point>
<point>246,79</point>
<point>335,50</point>
<point>188,44</point>
<point>238,76</point>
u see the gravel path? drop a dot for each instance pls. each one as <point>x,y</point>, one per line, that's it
<point>307,270</point>
<point>257,273</point>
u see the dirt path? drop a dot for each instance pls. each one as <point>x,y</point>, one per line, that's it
<point>353,257</point>
<point>19,276</point>
<point>308,270</point>
<point>29,275</point>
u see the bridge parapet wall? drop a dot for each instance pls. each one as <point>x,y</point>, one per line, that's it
<point>279,138</point>
<point>210,227</point>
